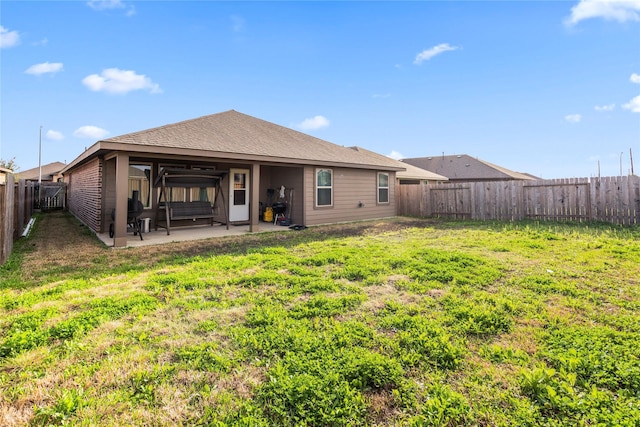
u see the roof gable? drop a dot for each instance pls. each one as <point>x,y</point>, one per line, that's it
<point>410,172</point>
<point>48,171</point>
<point>239,134</point>
<point>465,167</point>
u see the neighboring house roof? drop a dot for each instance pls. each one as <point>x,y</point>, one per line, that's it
<point>464,167</point>
<point>48,172</point>
<point>410,172</point>
<point>233,135</point>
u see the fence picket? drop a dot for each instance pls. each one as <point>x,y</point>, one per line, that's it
<point>608,199</point>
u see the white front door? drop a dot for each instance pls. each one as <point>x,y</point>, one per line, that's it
<point>239,195</point>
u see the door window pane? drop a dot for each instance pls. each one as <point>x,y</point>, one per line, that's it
<point>239,197</point>
<point>239,180</point>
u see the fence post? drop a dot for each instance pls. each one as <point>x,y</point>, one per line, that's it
<point>608,199</point>
<point>7,218</point>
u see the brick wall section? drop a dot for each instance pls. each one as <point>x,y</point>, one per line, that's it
<point>85,199</point>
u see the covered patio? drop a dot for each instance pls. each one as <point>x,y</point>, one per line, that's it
<point>190,233</point>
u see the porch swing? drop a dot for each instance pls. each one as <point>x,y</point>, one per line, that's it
<point>170,178</point>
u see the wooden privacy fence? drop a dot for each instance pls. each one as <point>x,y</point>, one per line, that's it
<point>610,199</point>
<point>52,195</point>
<point>7,189</point>
<point>16,209</point>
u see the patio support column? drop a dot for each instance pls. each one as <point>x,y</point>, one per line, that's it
<point>254,213</point>
<point>122,194</point>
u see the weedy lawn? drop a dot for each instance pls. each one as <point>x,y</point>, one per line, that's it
<point>383,323</point>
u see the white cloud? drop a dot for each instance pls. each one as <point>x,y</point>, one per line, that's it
<point>635,78</point>
<point>608,107</point>
<point>573,118</point>
<point>54,135</point>
<point>633,105</point>
<point>45,67</point>
<point>237,23</point>
<point>313,123</point>
<point>427,54</point>
<point>111,4</point>
<point>395,155</point>
<point>113,80</point>
<point>91,132</point>
<point>611,10</point>
<point>8,38</point>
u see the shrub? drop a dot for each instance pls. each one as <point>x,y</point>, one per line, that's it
<point>303,399</point>
<point>443,407</point>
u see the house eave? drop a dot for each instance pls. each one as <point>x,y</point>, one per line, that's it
<point>106,147</point>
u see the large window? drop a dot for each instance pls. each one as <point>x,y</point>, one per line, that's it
<point>174,194</point>
<point>203,194</point>
<point>383,187</point>
<point>140,181</point>
<point>324,187</point>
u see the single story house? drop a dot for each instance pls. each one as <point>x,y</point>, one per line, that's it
<point>251,159</point>
<point>411,174</point>
<point>464,168</point>
<point>50,172</point>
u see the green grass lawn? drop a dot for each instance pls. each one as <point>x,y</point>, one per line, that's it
<point>384,323</point>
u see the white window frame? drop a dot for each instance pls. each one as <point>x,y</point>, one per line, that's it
<point>379,187</point>
<point>324,187</point>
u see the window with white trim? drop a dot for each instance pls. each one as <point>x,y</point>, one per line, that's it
<point>383,187</point>
<point>324,187</point>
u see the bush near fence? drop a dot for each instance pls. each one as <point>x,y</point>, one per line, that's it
<point>608,199</point>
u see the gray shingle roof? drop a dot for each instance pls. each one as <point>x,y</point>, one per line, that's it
<point>464,167</point>
<point>410,172</point>
<point>239,134</point>
<point>48,171</point>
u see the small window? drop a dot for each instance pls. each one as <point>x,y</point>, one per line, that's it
<point>140,181</point>
<point>324,187</point>
<point>383,187</point>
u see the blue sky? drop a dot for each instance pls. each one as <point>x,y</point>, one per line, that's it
<point>548,88</point>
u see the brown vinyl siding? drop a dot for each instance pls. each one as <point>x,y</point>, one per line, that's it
<point>84,199</point>
<point>350,188</point>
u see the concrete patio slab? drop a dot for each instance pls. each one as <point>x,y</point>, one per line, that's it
<point>197,232</point>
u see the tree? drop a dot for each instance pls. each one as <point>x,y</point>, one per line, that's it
<point>9,164</point>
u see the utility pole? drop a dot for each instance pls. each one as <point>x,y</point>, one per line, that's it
<point>621,162</point>
<point>40,158</point>
<point>631,159</point>
<point>40,168</point>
